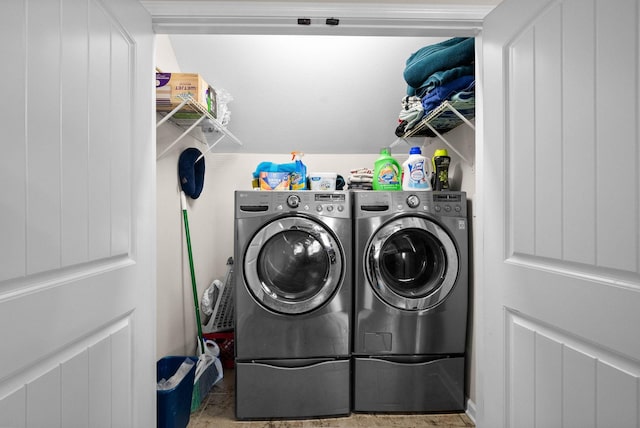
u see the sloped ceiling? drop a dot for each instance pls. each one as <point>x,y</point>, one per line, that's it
<point>316,88</point>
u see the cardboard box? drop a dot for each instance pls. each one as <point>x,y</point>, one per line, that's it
<point>274,180</point>
<point>170,85</point>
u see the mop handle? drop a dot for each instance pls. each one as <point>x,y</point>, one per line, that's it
<point>193,274</point>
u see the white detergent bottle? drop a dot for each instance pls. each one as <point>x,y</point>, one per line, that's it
<point>415,171</point>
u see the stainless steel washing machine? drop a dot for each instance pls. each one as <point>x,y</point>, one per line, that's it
<point>293,303</point>
<point>411,291</point>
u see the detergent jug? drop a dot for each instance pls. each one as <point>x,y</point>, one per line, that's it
<point>386,172</point>
<point>414,171</point>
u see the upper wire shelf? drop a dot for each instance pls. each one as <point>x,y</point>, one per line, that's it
<point>442,119</point>
<point>204,114</point>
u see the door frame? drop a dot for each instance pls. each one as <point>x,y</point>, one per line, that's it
<point>406,19</point>
<point>281,18</point>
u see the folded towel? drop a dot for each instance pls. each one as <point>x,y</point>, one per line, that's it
<point>440,56</point>
<point>442,93</point>
<point>466,98</point>
<point>440,78</point>
<point>360,186</point>
<point>411,113</point>
<point>362,170</point>
<point>359,179</point>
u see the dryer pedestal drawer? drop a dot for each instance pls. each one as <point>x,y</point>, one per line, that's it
<point>388,384</point>
<point>292,388</point>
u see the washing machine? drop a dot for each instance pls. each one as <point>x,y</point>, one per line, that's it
<point>410,303</point>
<point>293,303</point>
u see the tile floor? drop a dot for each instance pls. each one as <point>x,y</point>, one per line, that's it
<point>217,411</point>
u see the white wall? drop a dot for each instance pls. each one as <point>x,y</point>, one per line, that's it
<point>229,168</point>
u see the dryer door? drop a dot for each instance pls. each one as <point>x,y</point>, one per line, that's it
<point>412,263</point>
<point>293,265</point>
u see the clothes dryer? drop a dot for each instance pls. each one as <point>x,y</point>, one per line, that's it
<point>411,291</point>
<point>293,303</point>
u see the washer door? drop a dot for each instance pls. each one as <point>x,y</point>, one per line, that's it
<point>412,263</point>
<point>293,265</point>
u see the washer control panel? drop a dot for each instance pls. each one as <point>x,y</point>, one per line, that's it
<point>329,204</point>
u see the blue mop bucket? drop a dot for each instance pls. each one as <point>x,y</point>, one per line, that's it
<point>174,405</point>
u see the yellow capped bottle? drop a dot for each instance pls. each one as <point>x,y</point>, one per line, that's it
<point>441,161</point>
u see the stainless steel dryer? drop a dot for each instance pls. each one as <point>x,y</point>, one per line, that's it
<point>410,313</point>
<point>293,304</point>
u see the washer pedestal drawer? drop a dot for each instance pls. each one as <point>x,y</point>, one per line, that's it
<point>292,388</point>
<point>412,384</point>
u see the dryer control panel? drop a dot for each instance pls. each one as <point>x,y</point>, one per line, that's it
<point>452,204</point>
<point>374,203</point>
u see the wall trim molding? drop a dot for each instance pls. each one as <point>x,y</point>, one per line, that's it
<point>280,17</point>
<point>471,410</point>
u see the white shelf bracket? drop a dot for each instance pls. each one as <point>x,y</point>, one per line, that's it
<point>425,123</point>
<point>170,146</point>
<point>204,114</point>
<point>171,113</point>
<point>209,147</point>
<point>398,140</point>
<point>460,115</point>
<point>453,149</point>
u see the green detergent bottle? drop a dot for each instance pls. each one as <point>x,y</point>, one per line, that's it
<point>387,172</point>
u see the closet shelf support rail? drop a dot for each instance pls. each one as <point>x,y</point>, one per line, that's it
<point>217,125</point>
<point>435,113</point>
<point>426,123</point>
<point>171,113</point>
<point>170,146</point>
<point>444,140</point>
<point>204,114</point>
<point>460,115</point>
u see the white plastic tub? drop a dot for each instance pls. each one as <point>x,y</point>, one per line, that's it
<point>323,180</point>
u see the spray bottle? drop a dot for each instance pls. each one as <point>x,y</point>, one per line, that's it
<point>440,162</point>
<point>386,172</point>
<point>299,174</point>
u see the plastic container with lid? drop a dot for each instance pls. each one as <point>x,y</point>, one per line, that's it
<point>323,180</point>
<point>415,174</point>
<point>386,172</point>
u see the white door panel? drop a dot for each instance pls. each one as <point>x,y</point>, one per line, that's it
<point>558,379</point>
<point>77,290</point>
<point>562,215</point>
<point>74,150</point>
<point>579,212</point>
<point>13,159</point>
<point>42,142</point>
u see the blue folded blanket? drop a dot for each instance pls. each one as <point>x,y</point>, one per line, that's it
<point>440,56</point>
<point>440,78</point>
<point>442,93</point>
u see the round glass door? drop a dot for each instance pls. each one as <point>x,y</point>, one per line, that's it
<point>293,265</point>
<point>412,263</point>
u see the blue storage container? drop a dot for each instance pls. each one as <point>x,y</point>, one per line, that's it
<point>174,405</point>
